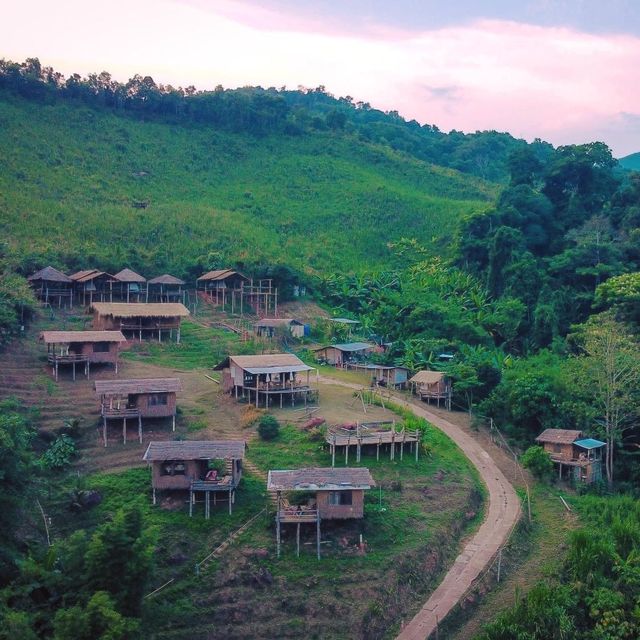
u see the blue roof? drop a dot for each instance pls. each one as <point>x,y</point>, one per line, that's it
<point>352,346</point>
<point>590,443</point>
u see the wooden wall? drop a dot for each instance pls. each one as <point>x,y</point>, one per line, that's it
<point>339,512</point>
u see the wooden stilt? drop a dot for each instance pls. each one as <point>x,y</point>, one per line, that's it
<point>190,503</point>
<point>278,525</point>
<point>298,541</point>
<point>140,428</point>
<point>124,430</point>
<point>154,496</point>
<point>173,422</point>
<point>230,500</point>
<point>104,430</point>
<point>207,504</point>
<point>333,452</point>
<point>318,535</point>
<point>74,371</point>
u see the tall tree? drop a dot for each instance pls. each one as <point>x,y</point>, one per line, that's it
<point>608,371</point>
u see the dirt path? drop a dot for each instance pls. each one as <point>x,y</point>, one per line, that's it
<point>502,513</point>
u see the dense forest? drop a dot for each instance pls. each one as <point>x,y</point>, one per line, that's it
<point>519,261</point>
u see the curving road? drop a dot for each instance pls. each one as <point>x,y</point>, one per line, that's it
<point>501,515</point>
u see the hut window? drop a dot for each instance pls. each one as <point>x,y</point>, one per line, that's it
<point>557,448</point>
<point>100,347</point>
<point>340,498</point>
<point>173,468</point>
<point>156,399</point>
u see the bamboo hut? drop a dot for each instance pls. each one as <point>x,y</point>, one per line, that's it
<point>339,495</point>
<point>52,287</point>
<point>165,288</point>
<point>135,400</point>
<point>186,466</point>
<point>341,355</point>
<point>92,285</point>
<point>83,348</point>
<point>269,377</point>
<point>432,385</point>
<point>574,454</point>
<point>268,327</point>
<point>130,286</point>
<point>140,319</point>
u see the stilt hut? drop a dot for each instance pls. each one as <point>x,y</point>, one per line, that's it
<point>432,385</point>
<point>383,375</point>
<point>135,400</point>
<point>92,285</point>
<point>269,327</point>
<point>130,286</point>
<point>370,435</point>
<point>269,377</point>
<point>340,355</point>
<point>52,287</point>
<point>220,284</point>
<point>580,457</point>
<point>165,288</point>
<point>140,320</point>
<point>82,348</point>
<point>339,495</point>
<point>187,466</point>
<point>225,286</point>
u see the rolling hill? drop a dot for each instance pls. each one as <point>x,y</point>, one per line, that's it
<point>83,187</point>
<point>631,162</point>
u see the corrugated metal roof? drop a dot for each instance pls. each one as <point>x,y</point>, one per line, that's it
<point>49,274</point>
<point>166,279</point>
<point>195,450</point>
<point>347,346</point>
<point>590,443</point>
<point>267,360</point>
<point>288,369</point>
<point>276,322</point>
<point>325,478</point>
<point>127,275</point>
<point>559,436</point>
<point>142,309</point>
<point>427,377</point>
<point>88,274</point>
<point>65,337</point>
<point>344,320</point>
<point>139,385</point>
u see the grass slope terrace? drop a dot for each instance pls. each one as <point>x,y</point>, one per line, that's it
<point>70,177</point>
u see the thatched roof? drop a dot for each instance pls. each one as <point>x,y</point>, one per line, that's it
<point>49,274</point>
<point>559,436</point>
<point>325,479</point>
<point>140,385</point>
<point>270,362</point>
<point>220,274</point>
<point>195,450</point>
<point>427,377</point>
<point>127,275</point>
<point>87,275</point>
<point>66,337</point>
<point>141,309</point>
<point>166,279</point>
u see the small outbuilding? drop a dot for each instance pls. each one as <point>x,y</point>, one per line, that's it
<point>268,377</point>
<point>130,286</point>
<point>432,385</point>
<point>339,495</point>
<point>570,450</point>
<point>92,284</point>
<point>383,375</point>
<point>268,327</point>
<point>137,399</point>
<point>140,319</point>
<point>165,288</point>
<point>187,465</point>
<point>52,287</point>
<point>341,355</point>
<point>82,348</point>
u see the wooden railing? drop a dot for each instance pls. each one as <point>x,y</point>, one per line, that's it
<point>293,514</point>
<point>69,358</point>
<point>123,412</point>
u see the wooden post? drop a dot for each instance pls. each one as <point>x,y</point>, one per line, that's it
<point>124,430</point>
<point>190,503</point>
<point>154,495</point>
<point>417,443</point>
<point>74,370</point>
<point>278,525</point>
<point>173,422</point>
<point>140,428</point>
<point>104,430</point>
<point>346,452</point>
<point>230,499</point>
<point>333,452</point>
<point>318,533</point>
<point>298,541</point>
<point>207,504</point>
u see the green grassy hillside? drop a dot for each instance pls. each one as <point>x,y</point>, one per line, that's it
<point>70,176</point>
<point>631,161</point>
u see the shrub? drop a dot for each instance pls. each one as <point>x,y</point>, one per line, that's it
<point>538,461</point>
<point>268,427</point>
<point>59,454</point>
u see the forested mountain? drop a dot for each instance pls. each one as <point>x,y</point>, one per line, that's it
<point>631,162</point>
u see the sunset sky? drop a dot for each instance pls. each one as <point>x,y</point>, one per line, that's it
<point>567,71</point>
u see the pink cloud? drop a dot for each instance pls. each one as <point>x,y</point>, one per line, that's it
<point>554,83</point>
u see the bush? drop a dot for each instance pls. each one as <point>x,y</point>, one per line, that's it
<point>60,453</point>
<point>538,461</point>
<point>268,427</point>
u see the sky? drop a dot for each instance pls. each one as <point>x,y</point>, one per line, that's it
<point>566,71</point>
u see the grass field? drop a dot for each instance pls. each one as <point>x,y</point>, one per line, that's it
<point>69,177</point>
